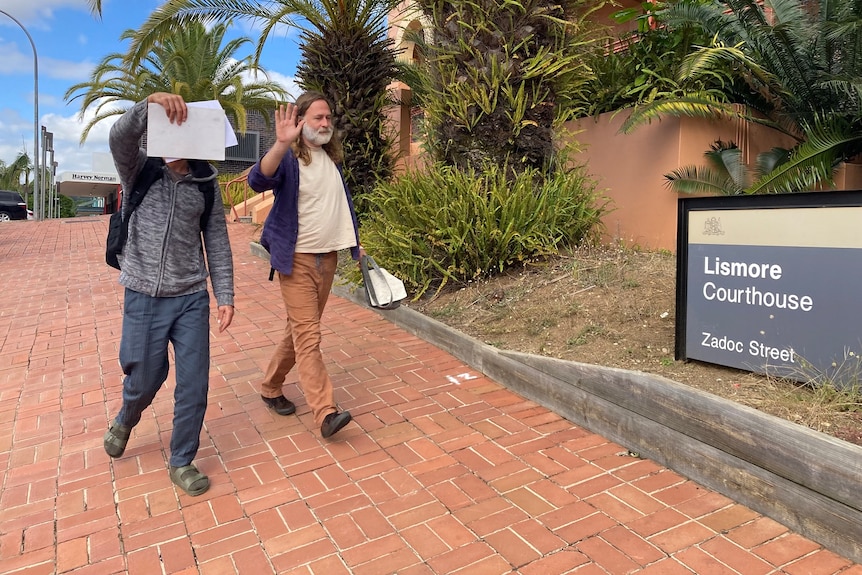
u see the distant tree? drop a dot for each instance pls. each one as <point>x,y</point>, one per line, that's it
<point>191,62</point>
<point>68,208</point>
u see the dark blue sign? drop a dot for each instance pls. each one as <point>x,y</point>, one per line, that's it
<point>770,284</point>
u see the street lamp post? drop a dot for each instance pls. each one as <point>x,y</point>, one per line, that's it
<point>37,213</point>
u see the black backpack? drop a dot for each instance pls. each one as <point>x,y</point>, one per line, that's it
<point>118,228</point>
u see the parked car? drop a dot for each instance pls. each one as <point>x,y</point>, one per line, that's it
<point>12,206</point>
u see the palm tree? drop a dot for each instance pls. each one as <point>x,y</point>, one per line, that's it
<point>95,7</point>
<point>503,78</point>
<point>336,51</point>
<point>192,62</point>
<point>795,65</point>
<point>10,174</point>
<point>346,55</point>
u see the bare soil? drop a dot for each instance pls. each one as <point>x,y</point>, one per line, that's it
<point>615,307</point>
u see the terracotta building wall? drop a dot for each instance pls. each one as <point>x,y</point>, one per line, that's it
<point>630,168</point>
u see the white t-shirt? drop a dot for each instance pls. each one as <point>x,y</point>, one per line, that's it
<point>325,224</point>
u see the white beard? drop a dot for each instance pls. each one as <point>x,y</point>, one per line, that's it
<point>315,136</point>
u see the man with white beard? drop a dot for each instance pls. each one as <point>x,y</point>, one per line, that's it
<point>312,218</point>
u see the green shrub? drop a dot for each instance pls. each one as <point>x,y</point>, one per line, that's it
<point>445,225</point>
<point>640,67</point>
<point>68,209</point>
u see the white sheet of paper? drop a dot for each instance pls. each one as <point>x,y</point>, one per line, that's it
<point>200,137</point>
<point>229,134</point>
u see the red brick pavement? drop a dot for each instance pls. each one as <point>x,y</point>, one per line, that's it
<point>440,473</point>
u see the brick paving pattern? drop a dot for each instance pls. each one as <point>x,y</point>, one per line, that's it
<point>443,471</point>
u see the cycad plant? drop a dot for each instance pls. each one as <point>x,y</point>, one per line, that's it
<point>345,54</point>
<point>192,62</point>
<point>795,65</point>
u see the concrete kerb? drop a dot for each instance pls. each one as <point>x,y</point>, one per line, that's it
<point>804,479</point>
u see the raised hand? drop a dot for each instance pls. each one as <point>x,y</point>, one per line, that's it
<point>287,125</point>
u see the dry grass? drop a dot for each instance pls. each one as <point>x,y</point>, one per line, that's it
<point>615,307</point>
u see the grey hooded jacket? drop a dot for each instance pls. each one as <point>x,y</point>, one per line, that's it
<point>164,255</point>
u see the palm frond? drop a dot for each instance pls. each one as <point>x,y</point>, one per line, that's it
<point>813,162</point>
<point>194,62</point>
<point>726,158</point>
<point>175,15</point>
<point>701,180</point>
<point>689,105</point>
<point>95,7</point>
<point>770,160</point>
<point>712,18</point>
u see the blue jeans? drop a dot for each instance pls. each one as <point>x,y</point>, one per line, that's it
<point>149,323</point>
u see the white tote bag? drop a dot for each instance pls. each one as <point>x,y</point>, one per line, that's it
<point>383,290</point>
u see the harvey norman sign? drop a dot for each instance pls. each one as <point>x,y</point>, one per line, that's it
<point>771,284</point>
<point>96,178</point>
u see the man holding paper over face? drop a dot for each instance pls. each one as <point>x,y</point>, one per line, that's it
<point>174,244</point>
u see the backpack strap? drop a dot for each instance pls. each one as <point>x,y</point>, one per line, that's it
<point>202,169</point>
<point>149,174</point>
<point>118,228</point>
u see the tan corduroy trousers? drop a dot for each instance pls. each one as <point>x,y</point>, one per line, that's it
<point>305,293</point>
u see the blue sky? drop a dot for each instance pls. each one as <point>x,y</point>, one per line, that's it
<point>69,43</point>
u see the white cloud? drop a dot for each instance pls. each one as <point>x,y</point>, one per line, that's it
<point>67,132</point>
<point>65,69</point>
<point>48,100</point>
<point>68,153</point>
<point>18,61</point>
<point>286,82</point>
<point>18,135</point>
<point>15,60</point>
<point>37,14</point>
